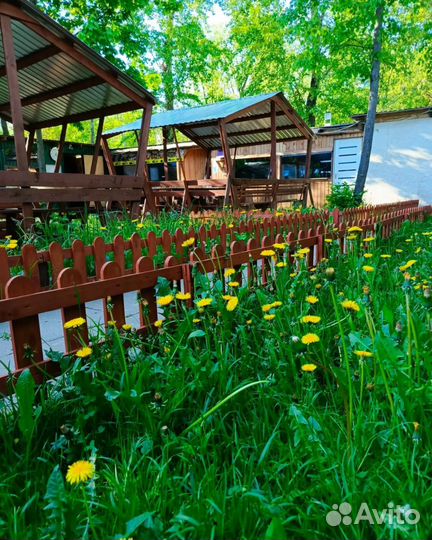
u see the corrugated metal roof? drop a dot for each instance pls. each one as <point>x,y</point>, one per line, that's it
<point>252,126</point>
<point>82,83</point>
<point>190,115</point>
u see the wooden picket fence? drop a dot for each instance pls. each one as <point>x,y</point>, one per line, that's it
<point>44,267</point>
<point>25,299</point>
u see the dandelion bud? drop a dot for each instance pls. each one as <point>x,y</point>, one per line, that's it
<point>157,397</point>
<point>64,429</point>
<point>427,292</point>
<point>330,272</point>
<point>398,327</point>
<point>366,290</point>
<point>370,387</point>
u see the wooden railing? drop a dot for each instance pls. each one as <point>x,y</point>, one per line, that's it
<point>24,298</point>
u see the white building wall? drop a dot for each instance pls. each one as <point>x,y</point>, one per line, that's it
<point>401,162</point>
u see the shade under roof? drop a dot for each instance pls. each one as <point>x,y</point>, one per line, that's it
<point>250,123</point>
<point>60,78</point>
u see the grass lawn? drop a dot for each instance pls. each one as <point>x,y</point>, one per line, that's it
<point>246,417</point>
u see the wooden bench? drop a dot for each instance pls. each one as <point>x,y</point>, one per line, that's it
<point>253,192</point>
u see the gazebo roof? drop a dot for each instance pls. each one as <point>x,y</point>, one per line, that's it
<point>60,78</point>
<point>247,121</point>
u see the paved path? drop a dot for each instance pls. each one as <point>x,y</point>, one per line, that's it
<point>52,330</point>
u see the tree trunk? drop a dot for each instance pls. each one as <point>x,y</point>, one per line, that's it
<point>311,100</point>
<point>373,102</point>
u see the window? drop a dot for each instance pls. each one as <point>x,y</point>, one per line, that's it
<point>295,166</point>
<point>252,168</point>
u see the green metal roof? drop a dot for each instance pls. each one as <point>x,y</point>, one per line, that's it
<point>192,115</point>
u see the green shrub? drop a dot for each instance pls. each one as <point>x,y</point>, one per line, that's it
<point>342,196</point>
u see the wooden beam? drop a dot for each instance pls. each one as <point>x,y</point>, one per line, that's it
<point>141,168</point>
<point>246,132</point>
<point>87,115</point>
<point>186,197</point>
<point>60,148</point>
<point>97,145</point>
<point>65,90</point>
<point>108,156</point>
<point>228,164</point>
<point>292,115</point>
<point>33,58</point>
<point>14,92</point>
<point>71,46</point>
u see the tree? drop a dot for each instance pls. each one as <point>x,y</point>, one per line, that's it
<point>373,101</point>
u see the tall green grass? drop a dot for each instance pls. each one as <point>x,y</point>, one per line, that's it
<point>211,429</point>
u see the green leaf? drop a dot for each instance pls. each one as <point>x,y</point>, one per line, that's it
<point>275,530</point>
<point>196,333</point>
<point>25,392</point>
<point>145,519</point>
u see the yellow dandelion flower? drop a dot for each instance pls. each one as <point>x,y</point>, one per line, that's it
<point>196,321</point>
<point>158,324</point>
<point>279,214</point>
<point>303,251</point>
<point>385,256</point>
<point>308,339</point>
<point>266,308</point>
<point>229,272</point>
<point>281,264</point>
<point>111,323</point>
<point>350,305</point>
<point>269,317</point>
<point>399,250</point>
<point>312,299</point>
<point>313,319</point>
<point>369,239</point>
<point>276,304</point>
<point>127,327</point>
<point>204,302</point>
<point>368,255</point>
<point>165,300</point>
<point>416,426</point>
<point>279,246</point>
<point>351,237</point>
<point>232,303</point>
<point>363,354</point>
<point>368,269</point>
<point>328,240</point>
<point>249,322</point>
<point>80,472</point>
<point>408,240</point>
<point>268,253</point>
<point>189,242</point>
<point>407,265</point>
<point>140,226</point>
<point>183,296</point>
<point>355,229</point>
<point>234,284</point>
<point>84,352</point>
<point>293,274</point>
<point>309,368</point>
<point>74,323</point>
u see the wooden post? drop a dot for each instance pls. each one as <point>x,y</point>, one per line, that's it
<point>308,171</point>
<point>207,172</point>
<point>14,92</point>
<point>61,148</point>
<point>228,162</point>
<point>141,169</point>
<point>308,158</point>
<point>186,197</point>
<point>15,107</point>
<point>273,164</point>
<point>97,145</point>
<point>165,152</point>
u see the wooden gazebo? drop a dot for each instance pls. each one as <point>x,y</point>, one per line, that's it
<point>255,120</point>
<point>49,78</point>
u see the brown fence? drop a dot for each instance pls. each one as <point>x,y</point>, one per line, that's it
<point>25,299</point>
